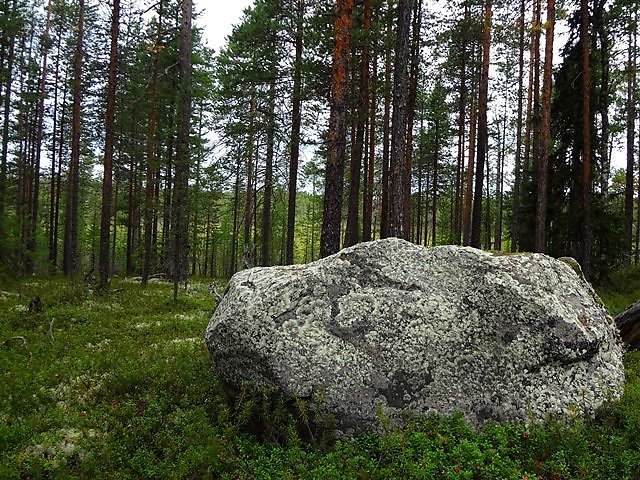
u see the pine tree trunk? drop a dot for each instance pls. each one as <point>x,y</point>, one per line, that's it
<point>35,190</point>
<point>268,176</point>
<point>397,221</point>
<point>631,125</point>
<point>434,210</point>
<point>107,182</point>
<point>358,147</point>
<point>367,210</point>
<point>58,194</point>
<point>411,106</point>
<point>295,134</point>
<point>5,120</point>
<point>476,221</point>
<point>604,101</point>
<point>586,138</point>
<point>386,127</point>
<point>331,220</point>
<point>152,167</point>
<point>517,173</point>
<point>179,220</point>
<point>247,247</point>
<point>462,106</point>
<point>543,165</point>
<point>71,247</point>
<point>54,157</point>
<point>233,266</point>
<point>468,202</point>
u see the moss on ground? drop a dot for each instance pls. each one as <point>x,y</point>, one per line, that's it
<point>120,386</point>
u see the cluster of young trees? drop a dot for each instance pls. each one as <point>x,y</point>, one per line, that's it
<point>129,147</point>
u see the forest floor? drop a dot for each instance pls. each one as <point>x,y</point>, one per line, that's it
<point>120,386</point>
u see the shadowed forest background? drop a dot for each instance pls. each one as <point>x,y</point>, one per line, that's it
<point>131,148</point>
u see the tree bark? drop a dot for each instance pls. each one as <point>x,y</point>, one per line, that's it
<point>540,244</point>
<point>35,197</point>
<point>476,221</point>
<point>517,174</point>
<point>71,247</point>
<point>358,150</point>
<point>5,122</point>
<point>179,221</point>
<point>397,221</point>
<point>152,167</point>
<point>586,138</point>
<point>330,236</point>
<point>386,125</point>
<point>268,176</point>
<point>107,182</point>
<point>411,106</point>
<point>295,133</point>
<point>247,247</point>
<point>367,210</point>
<point>466,218</point>
<point>631,125</point>
<point>462,107</point>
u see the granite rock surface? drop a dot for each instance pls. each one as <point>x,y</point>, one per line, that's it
<point>391,328</point>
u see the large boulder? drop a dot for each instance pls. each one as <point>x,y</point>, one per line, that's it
<point>388,329</point>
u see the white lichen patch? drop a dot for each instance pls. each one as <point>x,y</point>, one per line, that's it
<point>178,342</point>
<point>80,390</point>
<point>98,347</point>
<point>59,445</point>
<point>146,325</point>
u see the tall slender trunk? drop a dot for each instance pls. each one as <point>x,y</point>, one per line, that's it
<point>35,198</point>
<point>586,138</point>
<point>331,219</point>
<point>604,101</point>
<point>543,165</point>
<point>434,210</point>
<point>58,193</point>
<point>468,198</point>
<point>462,104</point>
<point>386,125</point>
<point>131,214</point>
<point>179,222</point>
<point>107,182</point>
<point>233,266</point>
<point>414,73</point>
<point>71,247</point>
<point>54,158</point>
<point>247,247</point>
<point>194,247</point>
<point>476,221</point>
<point>295,133</point>
<point>517,174</point>
<point>367,210</point>
<point>358,147</point>
<point>152,163</point>
<point>500,180</point>
<point>397,221</point>
<point>5,122</point>
<point>268,176</point>
<point>631,125</point>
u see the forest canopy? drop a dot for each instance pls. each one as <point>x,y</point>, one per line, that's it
<point>130,147</point>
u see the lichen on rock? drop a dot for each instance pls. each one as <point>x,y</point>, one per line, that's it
<point>391,327</point>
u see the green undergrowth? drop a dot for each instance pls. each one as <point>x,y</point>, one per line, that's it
<point>120,386</point>
<point>621,289</point>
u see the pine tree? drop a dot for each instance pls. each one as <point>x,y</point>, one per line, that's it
<point>331,219</point>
